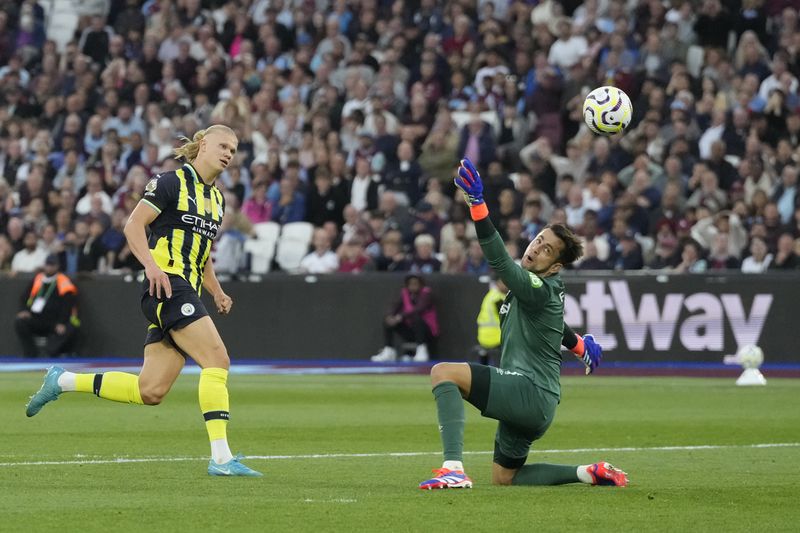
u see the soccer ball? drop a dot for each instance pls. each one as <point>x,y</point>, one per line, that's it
<point>607,110</point>
<point>750,356</point>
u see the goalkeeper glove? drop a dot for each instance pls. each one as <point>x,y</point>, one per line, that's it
<point>589,352</point>
<point>469,181</point>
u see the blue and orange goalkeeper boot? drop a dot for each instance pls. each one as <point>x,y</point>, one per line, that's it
<point>447,479</point>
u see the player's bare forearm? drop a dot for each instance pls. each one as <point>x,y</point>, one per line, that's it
<point>222,301</point>
<point>210,281</point>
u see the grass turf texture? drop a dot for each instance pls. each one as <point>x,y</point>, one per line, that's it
<point>724,489</point>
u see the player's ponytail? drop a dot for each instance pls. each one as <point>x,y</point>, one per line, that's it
<point>190,147</point>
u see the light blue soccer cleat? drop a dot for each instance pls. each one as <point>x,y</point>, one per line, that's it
<point>232,468</point>
<point>49,391</point>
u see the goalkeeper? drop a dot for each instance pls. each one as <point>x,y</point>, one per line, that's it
<point>523,392</point>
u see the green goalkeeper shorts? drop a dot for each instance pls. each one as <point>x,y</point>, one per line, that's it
<point>524,410</point>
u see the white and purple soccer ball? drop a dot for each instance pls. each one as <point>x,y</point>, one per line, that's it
<point>750,356</point>
<point>607,110</point>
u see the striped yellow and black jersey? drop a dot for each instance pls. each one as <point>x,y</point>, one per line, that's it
<point>189,216</point>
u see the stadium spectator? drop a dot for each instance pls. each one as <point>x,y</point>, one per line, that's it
<point>325,200</point>
<point>6,254</point>
<point>785,195</point>
<point>362,189</point>
<point>628,253</point>
<point>257,208</point>
<point>353,258</point>
<point>785,258</point>
<point>48,309</point>
<point>403,177</point>
<point>413,318</point>
<point>667,251</point>
<point>720,257</point>
<point>31,257</point>
<point>591,259</point>
<point>391,257</point>
<point>388,100</point>
<point>476,262</point>
<point>427,221</point>
<point>455,258</point>
<point>424,261</point>
<point>290,205</point>
<point>759,259</point>
<point>322,260</point>
<point>691,258</point>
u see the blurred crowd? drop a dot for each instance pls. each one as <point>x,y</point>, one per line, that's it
<point>353,114</point>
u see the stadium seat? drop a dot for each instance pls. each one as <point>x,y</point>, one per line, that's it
<point>290,253</point>
<point>262,247</point>
<point>62,19</point>
<point>461,118</point>
<point>261,254</point>
<point>695,57</point>
<point>297,231</point>
<point>267,231</point>
<point>648,245</point>
<point>293,244</point>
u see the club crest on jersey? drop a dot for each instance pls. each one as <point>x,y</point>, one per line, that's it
<point>536,281</point>
<point>149,189</point>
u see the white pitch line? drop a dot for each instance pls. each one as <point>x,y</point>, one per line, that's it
<point>125,460</point>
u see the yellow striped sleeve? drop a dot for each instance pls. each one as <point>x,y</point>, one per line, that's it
<point>198,195</point>
<point>214,203</point>
<point>183,193</point>
<point>220,201</point>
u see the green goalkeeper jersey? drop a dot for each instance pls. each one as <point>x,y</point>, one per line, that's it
<point>531,318</point>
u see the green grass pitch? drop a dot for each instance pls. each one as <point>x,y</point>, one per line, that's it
<point>58,472</point>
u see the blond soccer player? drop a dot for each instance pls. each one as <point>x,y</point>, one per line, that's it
<point>183,210</point>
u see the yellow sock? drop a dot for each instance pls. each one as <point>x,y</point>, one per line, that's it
<point>116,386</point>
<point>85,382</point>
<point>213,394</point>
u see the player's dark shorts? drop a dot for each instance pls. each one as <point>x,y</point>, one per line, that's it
<point>524,410</point>
<point>166,314</point>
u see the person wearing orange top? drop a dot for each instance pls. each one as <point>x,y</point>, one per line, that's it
<point>49,309</point>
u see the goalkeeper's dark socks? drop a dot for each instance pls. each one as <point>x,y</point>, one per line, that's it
<point>450,408</point>
<point>546,474</point>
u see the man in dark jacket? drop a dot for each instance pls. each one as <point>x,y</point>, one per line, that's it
<point>48,309</point>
